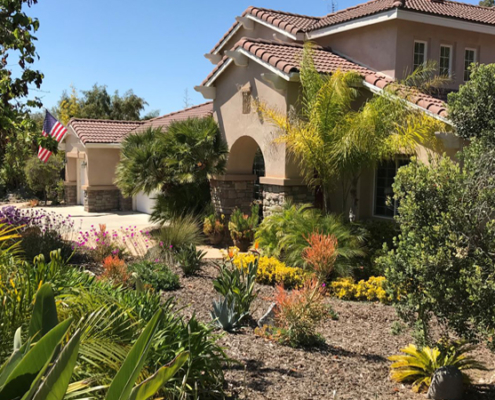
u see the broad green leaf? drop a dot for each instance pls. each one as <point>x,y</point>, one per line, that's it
<point>122,384</point>
<point>150,386</point>
<point>44,316</point>
<point>54,386</point>
<point>33,363</point>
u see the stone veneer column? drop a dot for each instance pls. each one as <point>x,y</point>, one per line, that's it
<point>70,193</point>
<point>231,191</point>
<point>276,195</point>
<point>101,198</point>
<point>125,203</point>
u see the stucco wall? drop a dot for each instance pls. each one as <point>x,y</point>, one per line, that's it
<point>101,166</point>
<point>435,36</point>
<point>373,46</point>
<point>245,129</point>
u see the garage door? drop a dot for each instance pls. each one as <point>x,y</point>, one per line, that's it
<point>145,203</point>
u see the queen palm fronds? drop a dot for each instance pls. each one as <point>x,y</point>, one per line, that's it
<point>335,137</point>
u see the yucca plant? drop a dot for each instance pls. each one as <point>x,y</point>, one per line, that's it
<point>43,370</point>
<point>417,366</point>
<point>243,226</point>
<point>226,316</point>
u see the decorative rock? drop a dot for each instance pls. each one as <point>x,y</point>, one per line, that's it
<point>446,384</point>
<point>268,318</point>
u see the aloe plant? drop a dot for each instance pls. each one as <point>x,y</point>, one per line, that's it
<point>43,371</point>
<point>226,316</point>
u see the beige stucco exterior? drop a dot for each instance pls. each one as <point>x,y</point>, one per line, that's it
<point>244,133</point>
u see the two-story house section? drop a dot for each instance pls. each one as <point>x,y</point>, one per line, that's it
<point>382,40</point>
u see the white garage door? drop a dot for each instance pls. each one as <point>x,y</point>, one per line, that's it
<point>145,203</point>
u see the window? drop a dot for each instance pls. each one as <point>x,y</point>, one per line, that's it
<point>469,58</point>
<point>446,60</point>
<point>385,205</point>
<point>419,54</point>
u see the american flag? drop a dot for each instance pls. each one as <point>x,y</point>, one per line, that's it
<point>53,128</point>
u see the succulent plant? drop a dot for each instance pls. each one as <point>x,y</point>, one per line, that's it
<point>225,316</point>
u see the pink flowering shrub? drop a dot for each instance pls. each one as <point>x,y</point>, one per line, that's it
<point>101,243</point>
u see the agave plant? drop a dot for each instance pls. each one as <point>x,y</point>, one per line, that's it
<point>41,369</point>
<point>417,366</point>
<point>225,315</point>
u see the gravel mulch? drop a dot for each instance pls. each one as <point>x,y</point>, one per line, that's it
<point>352,365</point>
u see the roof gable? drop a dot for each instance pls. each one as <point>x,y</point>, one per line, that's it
<point>296,24</point>
<point>286,58</point>
<point>101,130</point>
<point>198,111</point>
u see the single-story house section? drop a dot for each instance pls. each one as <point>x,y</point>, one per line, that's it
<point>92,150</point>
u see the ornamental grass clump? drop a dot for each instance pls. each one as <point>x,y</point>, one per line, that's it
<point>321,254</point>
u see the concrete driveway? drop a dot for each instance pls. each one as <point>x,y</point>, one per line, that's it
<point>113,219</point>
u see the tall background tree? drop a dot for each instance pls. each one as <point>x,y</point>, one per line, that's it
<point>176,163</point>
<point>487,3</point>
<point>19,133</point>
<point>97,103</point>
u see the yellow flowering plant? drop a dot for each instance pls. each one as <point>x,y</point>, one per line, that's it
<point>371,290</point>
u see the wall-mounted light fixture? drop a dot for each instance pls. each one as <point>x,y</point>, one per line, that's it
<point>84,164</point>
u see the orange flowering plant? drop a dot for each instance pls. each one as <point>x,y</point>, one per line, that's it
<point>298,312</point>
<point>115,270</point>
<point>321,254</point>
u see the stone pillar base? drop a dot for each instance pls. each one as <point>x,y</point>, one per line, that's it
<point>125,203</point>
<point>101,198</point>
<point>231,191</point>
<point>276,195</point>
<point>70,193</point>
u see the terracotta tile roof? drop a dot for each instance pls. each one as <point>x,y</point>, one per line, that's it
<point>295,23</point>
<point>199,111</point>
<point>286,57</point>
<point>101,130</point>
<point>444,8</point>
<point>289,22</point>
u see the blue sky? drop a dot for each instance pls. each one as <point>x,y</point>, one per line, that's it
<point>154,47</point>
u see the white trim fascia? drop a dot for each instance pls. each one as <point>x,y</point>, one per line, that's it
<point>75,134</point>
<point>276,29</point>
<point>353,24</point>
<point>103,145</point>
<point>219,72</point>
<point>405,15</point>
<point>229,36</point>
<point>445,22</point>
<point>292,77</point>
<point>379,91</point>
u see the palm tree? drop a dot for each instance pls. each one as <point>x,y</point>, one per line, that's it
<point>334,140</point>
<point>177,162</point>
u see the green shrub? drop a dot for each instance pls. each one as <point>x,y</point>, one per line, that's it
<point>157,275</point>
<point>443,265</point>
<point>377,234</point>
<point>283,234</point>
<point>190,259</point>
<point>43,177</point>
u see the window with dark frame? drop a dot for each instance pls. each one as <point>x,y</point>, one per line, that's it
<point>445,60</point>
<point>384,204</point>
<point>419,54</point>
<point>469,58</point>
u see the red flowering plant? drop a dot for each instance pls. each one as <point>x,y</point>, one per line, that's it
<point>321,254</point>
<point>115,270</point>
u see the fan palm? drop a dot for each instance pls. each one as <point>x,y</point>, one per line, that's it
<point>176,163</point>
<point>333,137</point>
